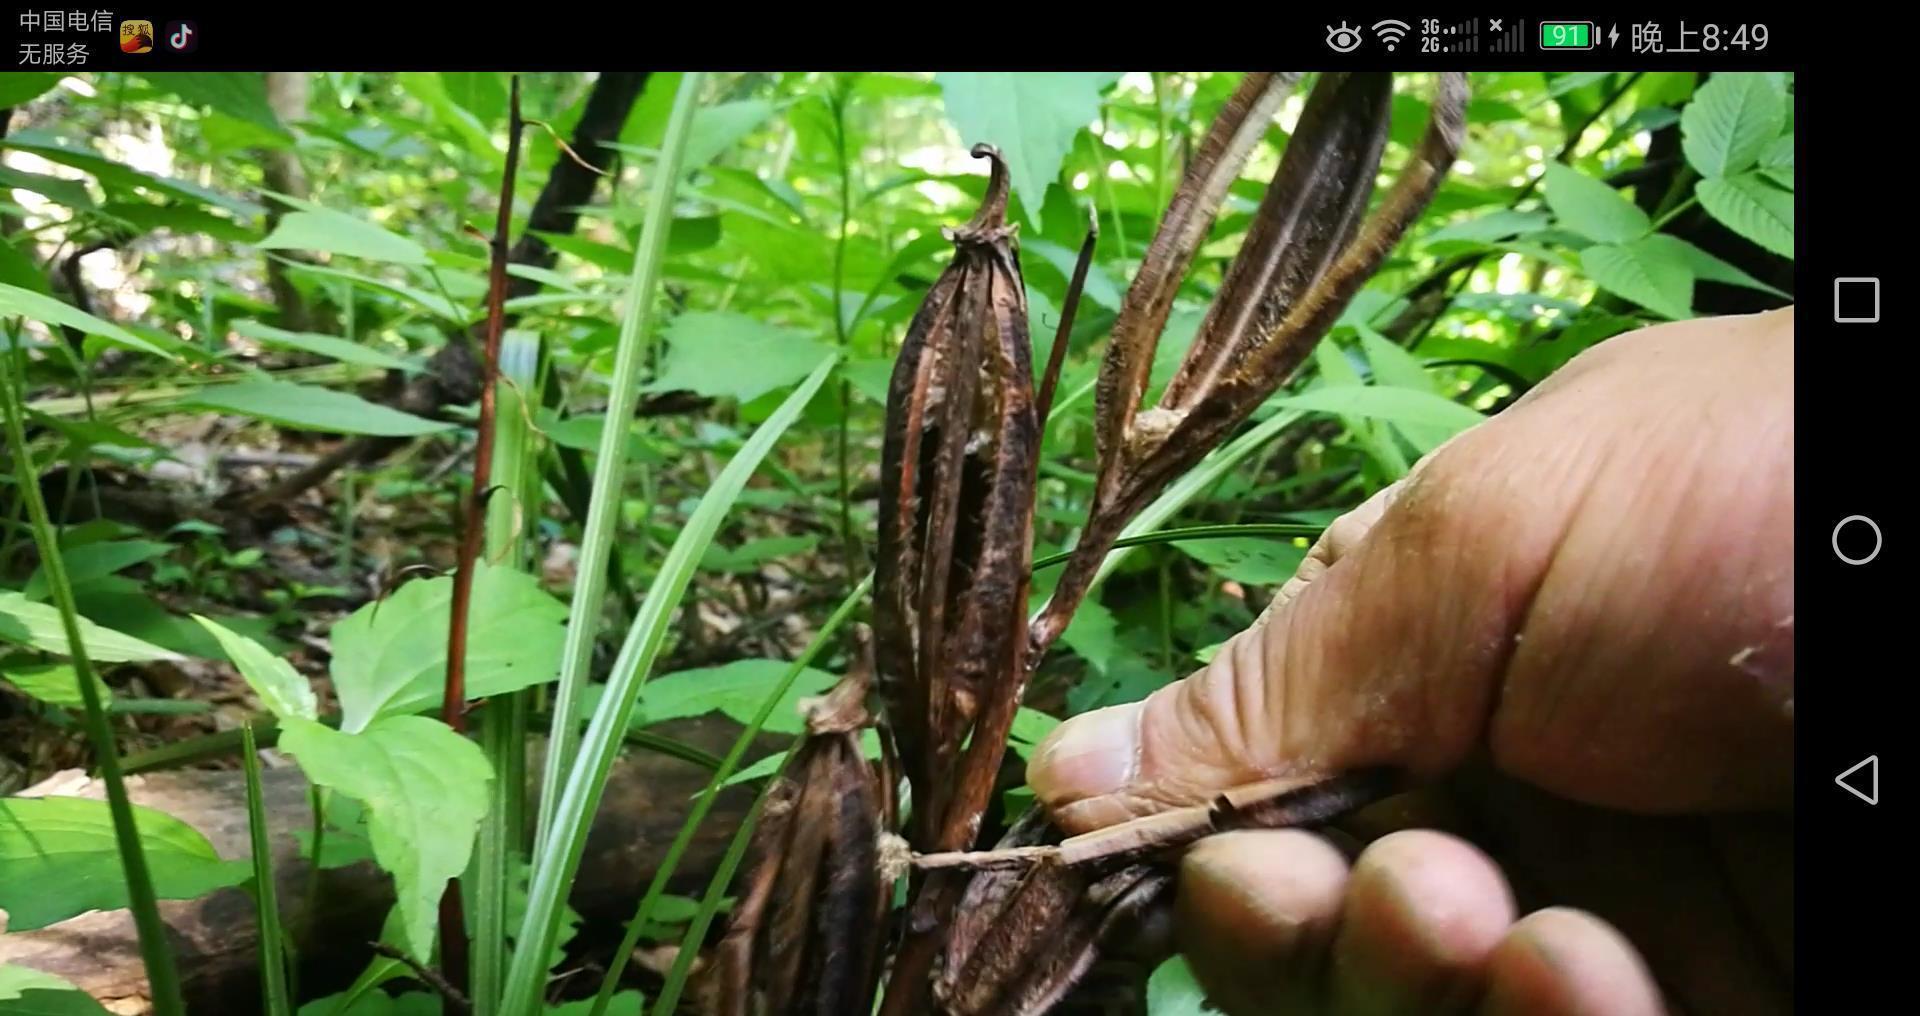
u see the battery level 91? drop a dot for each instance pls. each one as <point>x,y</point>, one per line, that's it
<point>1566,35</point>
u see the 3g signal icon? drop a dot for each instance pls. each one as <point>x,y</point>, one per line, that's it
<point>1391,32</point>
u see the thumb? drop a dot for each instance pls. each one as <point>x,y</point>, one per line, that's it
<point>1596,586</point>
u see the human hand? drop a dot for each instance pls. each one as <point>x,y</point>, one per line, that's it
<point>1574,625</point>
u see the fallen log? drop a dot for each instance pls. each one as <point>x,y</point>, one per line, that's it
<point>214,938</point>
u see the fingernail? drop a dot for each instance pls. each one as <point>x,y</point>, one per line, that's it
<point>1091,755</point>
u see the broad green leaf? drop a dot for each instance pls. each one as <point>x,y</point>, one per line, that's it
<point>1708,268</point>
<point>1031,117</point>
<point>1730,121</point>
<point>390,656</point>
<point>310,407</point>
<point>1030,727</point>
<point>1653,275</point>
<point>1256,561</point>
<point>736,689</point>
<point>38,626</point>
<point>324,229</point>
<point>239,94</point>
<point>281,688</point>
<point>1094,635</point>
<point>114,175</point>
<point>1499,224</point>
<point>184,220</point>
<point>1593,209</point>
<point>51,312</point>
<point>72,193</point>
<point>753,553</point>
<point>1753,208</point>
<point>872,376</point>
<point>53,683</point>
<point>377,1003</point>
<point>17,88</point>
<point>719,127</point>
<point>1100,287</point>
<point>1398,405</point>
<point>1173,991</point>
<point>425,789</point>
<point>28,992</point>
<point>728,355</point>
<point>344,350</point>
<point>1776,161</point>
<point>89,561</point>
<point>59,858</point>
<point>482,93</point>
<point>448,116</point>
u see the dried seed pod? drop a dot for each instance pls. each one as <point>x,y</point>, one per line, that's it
<point>805,934</point>
<point>957,472</point>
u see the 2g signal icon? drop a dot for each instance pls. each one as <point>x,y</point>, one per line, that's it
<point>182,36</point>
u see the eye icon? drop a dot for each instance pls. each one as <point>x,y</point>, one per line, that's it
<point>1344,39</point>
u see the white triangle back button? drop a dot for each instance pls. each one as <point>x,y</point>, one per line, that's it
<point>1870,779</point>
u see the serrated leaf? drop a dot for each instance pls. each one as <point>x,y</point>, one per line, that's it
<point>344,350</point>
<point>1593,209</point>
<point>1652,275</point>
<point>1709,268</point>
<point>390,656</point>
<point>1398,405</point>
<point>281,688</point>
<point>323,229</point>
<point>38,626</point>
<point>53,683</point>
<point>310,407</point>
<point>1731,120</point>
<point>1776,161</point>
<point>89,561</point>
<point>737,689</point>
<point>727,355</point>
<point>425,789</point>
<point>51,312</point>
<point>1031,117</point>
<point>1753,208</point>
<point>59,858</point>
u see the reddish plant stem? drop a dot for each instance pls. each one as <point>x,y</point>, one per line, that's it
<point>453,702</point>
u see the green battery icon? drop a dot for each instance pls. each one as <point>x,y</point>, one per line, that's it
<point>1566,34</point>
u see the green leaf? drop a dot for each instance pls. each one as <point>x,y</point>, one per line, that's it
<point>281,688</point>
<point>17,269</point>
<point>53,683</point>
<point>1593,209</point>
<point>184,220</point>
<point>38,626</point>
<point>1032,118</point>
<point>736,689</point>
<point>323,229</point>
<point>310,407</point>
<point>1094,635</point>
<point>719,127</point>
<point>1100,288</point>
<point>1030,727</point>
<point>59,858</point>
<point>1708,268</point>
<point>753,553</point>
<point>1652,275</point>
<point>1252,560</point>
<point>344,350</point>
<point>1173,991</point>
<point>871,377</point>
<point>1776,161</point>
<point>377,1003</point>
<point>72,193</point>
<point>390,656</point>
<point>726,355</point>
<point>1753,208</point>
<point>17,88</point>
<point>1731,120</point>
<point>28,992</point>
<point>1499,224</point>
<point>113,175</point>
<point>626,1003</point>
<point>239,94</point>
<point>1398,405</point>
<point>49,311</point>
<point>425,788</point>
<point>90,561</point>
<point>433,302</point>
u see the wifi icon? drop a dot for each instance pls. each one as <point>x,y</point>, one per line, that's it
<point>1391,32</point>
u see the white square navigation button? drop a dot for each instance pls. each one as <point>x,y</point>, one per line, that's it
<point>1856,301</point>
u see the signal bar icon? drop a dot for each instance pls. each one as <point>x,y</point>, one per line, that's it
<point>1391,32</point>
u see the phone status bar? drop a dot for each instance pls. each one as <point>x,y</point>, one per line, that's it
<point>1515,35</point>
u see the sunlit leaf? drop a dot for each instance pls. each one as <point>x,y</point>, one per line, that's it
<point>281,688</point>
<point>59,858</point>
<point>332,346</point>
<point>310,407</point>
<point>334,232</point>
<point>1731,120</point>
<point>1592,208</point>
<point>1031,117</point>
<point>1653,275</point>
<point>38,626</point>
<point>728,355</point>
<point>736,689</point>
<point>52,312</point>
<point>1752,207</point>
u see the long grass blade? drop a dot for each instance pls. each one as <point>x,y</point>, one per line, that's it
<point>503,722</point>
<point>163,978</point>
<point>610,462</point>
<point>274,996</point>
<point>611,982</point>
<point>559,847</point>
